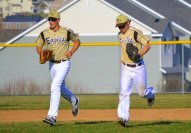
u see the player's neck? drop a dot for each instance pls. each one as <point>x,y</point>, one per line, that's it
<point>55,28</point>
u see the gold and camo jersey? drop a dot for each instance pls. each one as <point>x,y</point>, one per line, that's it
<point>57,42</point>
<point>128,37</point>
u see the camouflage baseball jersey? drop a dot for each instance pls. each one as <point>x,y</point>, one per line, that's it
<point>57,42</point>
<point>128,37</point>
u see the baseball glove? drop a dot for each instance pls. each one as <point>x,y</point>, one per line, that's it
<point>132,52</point>
<point>45,55</point>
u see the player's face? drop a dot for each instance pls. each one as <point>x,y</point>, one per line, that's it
<point>123,29</point>
<point>53,22</point>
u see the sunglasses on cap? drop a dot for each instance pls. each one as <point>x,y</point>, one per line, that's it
<point>52,19</point>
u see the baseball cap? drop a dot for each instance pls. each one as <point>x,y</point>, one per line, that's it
<point>54,14</point>
<point>121,20</point>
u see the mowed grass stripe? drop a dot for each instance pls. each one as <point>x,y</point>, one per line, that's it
<point>94,102</point>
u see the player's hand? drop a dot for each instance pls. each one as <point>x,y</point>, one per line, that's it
<point>68,54</point>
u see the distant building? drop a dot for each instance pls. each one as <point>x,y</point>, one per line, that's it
<point>44,6</point>
<point>14,7</point>
<point>41,6</point>
<point>173,66</point>
<point>20,22</point>
<point>57,4</point>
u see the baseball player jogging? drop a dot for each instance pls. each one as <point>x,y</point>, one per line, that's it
<point>53,46</point>
<point>134,45</point>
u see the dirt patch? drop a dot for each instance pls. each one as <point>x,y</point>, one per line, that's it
<point>96,115</point>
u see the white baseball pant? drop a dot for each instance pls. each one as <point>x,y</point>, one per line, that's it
<point>138,75</point>
<point>58,72</point>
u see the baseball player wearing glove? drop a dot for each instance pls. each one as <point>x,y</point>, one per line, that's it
<point>53,46</point>
<point>134,46</point>
<point>45,55</point>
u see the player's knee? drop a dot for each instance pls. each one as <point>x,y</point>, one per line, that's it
<point>124,96</point>
<point>55,86</point>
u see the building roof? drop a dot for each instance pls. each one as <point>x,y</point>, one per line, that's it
<point>156,13</point>
<point>22,18</point>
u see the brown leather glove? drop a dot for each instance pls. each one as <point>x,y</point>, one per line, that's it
<point>132,52</point>
<point>45,55</point>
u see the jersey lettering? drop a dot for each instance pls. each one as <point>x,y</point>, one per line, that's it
<point>129,40</point>
<point>126,40</point>
<point>55,40</point>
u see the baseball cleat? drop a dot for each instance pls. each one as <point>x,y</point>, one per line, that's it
<point>123,122</point>
<point>75,107</point>
<point>151,101</point>
<point>50,121</point>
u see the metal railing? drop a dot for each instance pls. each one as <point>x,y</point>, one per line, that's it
<point>103,43</point>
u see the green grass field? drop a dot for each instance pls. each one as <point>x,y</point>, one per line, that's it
<point>96,102</point>
<point>98,127</point>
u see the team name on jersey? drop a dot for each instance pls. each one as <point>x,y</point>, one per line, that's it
<point>126,40</point>
<point>55,40</point>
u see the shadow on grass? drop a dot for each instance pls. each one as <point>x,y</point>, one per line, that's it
<point>129,126</point>
<point>153,123</point>
<point>83,123</point>
<point>92,122</point>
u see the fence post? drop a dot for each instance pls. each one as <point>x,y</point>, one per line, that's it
<point>183,79</point>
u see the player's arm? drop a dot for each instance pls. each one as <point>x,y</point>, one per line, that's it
<point>73,49</point>
<point>145,49</point>
<point>74,37</point>
<point>145,43</point>
<point>39,44</point>
<point>76,46</point>
<point>38,49</point>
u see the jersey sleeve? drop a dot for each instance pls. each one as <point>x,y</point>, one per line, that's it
<point>74,36</point>
<point>39,41</point>
<point>142,38</point>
